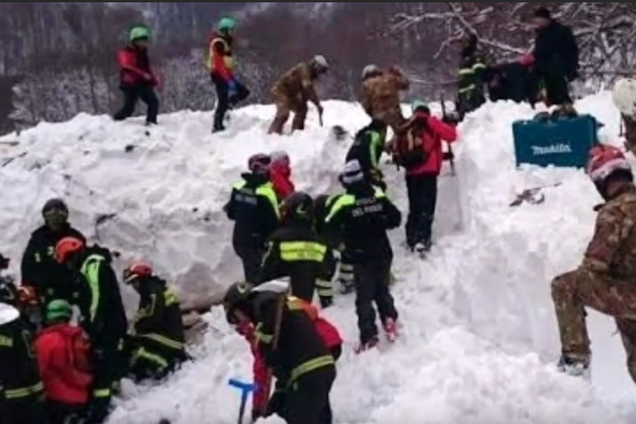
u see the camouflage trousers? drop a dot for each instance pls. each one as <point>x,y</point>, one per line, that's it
<point>630,133</point>
<point>575,290</point>
<point>286,104</point>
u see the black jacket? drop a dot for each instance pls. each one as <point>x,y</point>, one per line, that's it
<point>367,149</point>
<point>556,51</point>
<point>296,251</point>
<point>298,342</point>
<point>361,217</point>
<point>159,314</point>
<point>99,299</point>
<point>39,268</point>
<point>253,206</point>
<point>19,372</point>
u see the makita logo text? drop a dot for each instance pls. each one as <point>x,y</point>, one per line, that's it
<point>551,150</point>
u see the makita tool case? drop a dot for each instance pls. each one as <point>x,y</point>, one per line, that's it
<point>563,142</point>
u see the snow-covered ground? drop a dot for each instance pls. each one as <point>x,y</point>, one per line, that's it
<point>479,340</point>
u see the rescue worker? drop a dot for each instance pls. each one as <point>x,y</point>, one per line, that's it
<point>280,174</point>
<point>297,353</point>
<point>21,389</point>
<point>296,251</point>
<point>63,352</point>
<point>158,341</point>
<point>103,316</point>
<point>220,64</point>
<point>38,269</point>
<point>367,148</point>
<point>136,78</point>
<point>293,90</point>
<point>555,57</point>
<point>606,278</point>
<point>322,205</point>
<point>423,166</point>
<point>362,217</point>
<point>472,76</point>
<point>254,208</point>
<point>380,95</point>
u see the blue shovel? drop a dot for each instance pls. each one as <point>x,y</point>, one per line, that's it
<point>246,389</point>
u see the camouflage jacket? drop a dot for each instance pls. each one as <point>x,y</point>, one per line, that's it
<point>382,92</point>
<point>612,250</point>
<point>297,82</point>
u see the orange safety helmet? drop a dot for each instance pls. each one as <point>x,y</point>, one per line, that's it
<point>66,247</point>
<point>136,270</point>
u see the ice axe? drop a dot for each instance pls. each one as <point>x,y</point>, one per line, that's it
<point>246,389</point>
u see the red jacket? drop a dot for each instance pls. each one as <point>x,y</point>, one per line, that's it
<point>329,334</point>
<point>63,357</point>
<point>134,66</point>
<point>280,176</point>
<point>437,131</point>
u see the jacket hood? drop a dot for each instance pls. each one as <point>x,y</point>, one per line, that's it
<point>281,168</point>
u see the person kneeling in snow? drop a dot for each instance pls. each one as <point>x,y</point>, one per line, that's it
<point>63,352</point>
<point>280,174</point>
<point>606,279</point>
<point>157,345</point>
<point>287,336</point>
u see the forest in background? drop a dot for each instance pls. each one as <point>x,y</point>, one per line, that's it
<point>58,59</point>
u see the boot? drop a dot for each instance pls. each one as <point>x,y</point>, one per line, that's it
<point>277,125</point>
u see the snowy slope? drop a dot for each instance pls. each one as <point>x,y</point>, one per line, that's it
<point>479,338</point>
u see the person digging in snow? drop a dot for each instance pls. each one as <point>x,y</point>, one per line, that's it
<point>221,64</point>
<point>606,279</point>
<point>293,89</point>
<point>380,95</point>
<point>136,79</point>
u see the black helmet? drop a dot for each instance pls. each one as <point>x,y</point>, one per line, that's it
<point>259,162</point>
<point>236,296</point>
<point>55,212</point>
<point>298,207</point>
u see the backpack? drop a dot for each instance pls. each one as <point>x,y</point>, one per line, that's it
<point>407,149</point>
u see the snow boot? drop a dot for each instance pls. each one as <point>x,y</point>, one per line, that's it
<point>369,344</point>
<point>575,367</point>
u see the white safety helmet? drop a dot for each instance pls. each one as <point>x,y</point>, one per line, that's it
<point>370,70</point>
<point>624,96</point>
<point>320,62</point>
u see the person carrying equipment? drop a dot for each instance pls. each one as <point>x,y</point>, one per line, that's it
<point>280,174</point>
<point>158,341</point>
<point>362,217</point>
<point>254,208</point>
<point>380,95</point>
<point>293,89</point>
<point>290,343</point>
<point>367,148</point>
<point>63,352</point>
<point>322,205</point>
<point>103,315</point>
<point>38,269</point>
<point>136,79</point>
<point>297,252</point>
<point>422,159</point>
<point>220,64</point>
<point>21,389</point>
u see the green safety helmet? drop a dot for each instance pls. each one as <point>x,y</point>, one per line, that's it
<point>139,32</point>
<point>58,309</point>
<point>419,104</point>
<point>226,24</point>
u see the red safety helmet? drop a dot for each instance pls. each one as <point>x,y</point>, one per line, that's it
<point>66,247</point>
<point>136,270</point>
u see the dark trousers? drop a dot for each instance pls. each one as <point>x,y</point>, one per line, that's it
<point>64,413</point>
<point>556,88</point>
<point>372,286</point>
<point>226,99</point>
<point>25,411</point>
<point>142,92</point>
<point>422,195</point>
<point>107,371</point>
<point>308,401</point>
<point>251,258</point>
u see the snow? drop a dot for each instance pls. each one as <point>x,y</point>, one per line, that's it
<point>479,341</point>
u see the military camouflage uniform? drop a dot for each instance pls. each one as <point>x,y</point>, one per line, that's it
<point>380,98</point>
<point>290,93</point>
<point>605,281</point>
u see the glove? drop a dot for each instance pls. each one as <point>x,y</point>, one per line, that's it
<point>276,404</point>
